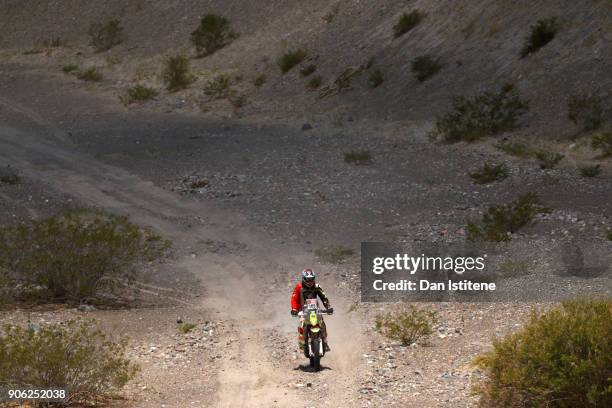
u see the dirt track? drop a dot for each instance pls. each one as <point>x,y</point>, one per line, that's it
<point>413,190</point>
<point>241,288</point>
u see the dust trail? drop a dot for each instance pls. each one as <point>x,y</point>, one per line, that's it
<point>249,289</point>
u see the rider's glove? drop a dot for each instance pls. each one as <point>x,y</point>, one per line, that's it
<point>330,310</point>
<point>294,313</point>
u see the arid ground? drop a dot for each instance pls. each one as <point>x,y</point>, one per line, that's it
<point>278,189</point>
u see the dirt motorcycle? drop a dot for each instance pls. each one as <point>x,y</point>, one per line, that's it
<point>310,319</point>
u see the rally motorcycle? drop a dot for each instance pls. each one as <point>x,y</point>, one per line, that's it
<point>310,318</point>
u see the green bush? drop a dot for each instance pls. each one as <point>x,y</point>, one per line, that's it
<point>260,80</point>
<point>75,257</point>
<point>547,159</point>
<point>91,75</point>
<point>541,34</point>
<point>315,82</point>
<point>376,78</point>
<point>9,176</point>
<point>176,74</point>
<point>603,141</point>
<point>499,222</point>
<point>138,93</point>
<point>358,157</point>
<point>407,326</point>
<point>212,34</point>
<point>425,66</point>
<point>218,87</point>
<point>482,115</point>
<point>106,36</point>
<point>309,70</point>
<point>70,68</point>
<point>586,110</point>
<point>199,183</point>
<point>590,171</point>
<point>517,149</point>
<point>72,355</point>
<point>186,327</point>
<point>290,59</point>
<point>490,173</point>
<point>407,22</point>
<point>333,254</point>
<point>609,235</point>
<point>559,359</point>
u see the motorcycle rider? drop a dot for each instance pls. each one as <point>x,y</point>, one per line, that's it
<point>309,289</point>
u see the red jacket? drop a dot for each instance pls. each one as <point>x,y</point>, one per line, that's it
<point>309,293</point>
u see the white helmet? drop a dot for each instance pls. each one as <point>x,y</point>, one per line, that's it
<point>308,275</point>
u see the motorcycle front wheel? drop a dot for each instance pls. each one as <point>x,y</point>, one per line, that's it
<point>315,360</point>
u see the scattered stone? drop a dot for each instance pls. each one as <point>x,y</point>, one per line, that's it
<point>86,308</point>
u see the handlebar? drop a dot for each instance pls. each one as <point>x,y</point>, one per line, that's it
<point>322,312</point>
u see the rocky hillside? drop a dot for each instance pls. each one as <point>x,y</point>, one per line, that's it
<point>477,43</point>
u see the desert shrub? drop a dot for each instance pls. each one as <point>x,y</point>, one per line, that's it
<point>328,17</point>
<point>499,222</point>
<point>559,359</point>
<point>407,22</point>
<point>541,34</point>
<point>199,183</point>
<point>517,149</point>
<point>185,327</point>
<point>238,100</point>
<point>5,293</point>
<point>376,78</point>
<point>77,256</point>
<point>73,355</point>
<point>106,36</point>
<point>176,74</point>
<point>138,93</point>
<point>586,110</point>
<point>8,175</point>
<point>315,82</point>
<point>112,60</point>
<point>358,157</point>
<point>482,115</point>
<point>70,68</point>
<point>603,141</point>
<point>218,87</point>
<point>260,80</point>
<point>309,70</point>
<point>425,66</point>
<point>590,171</point>
<point>343,81</point>
<point>212,34</point>
<point>53,42</point>
<point>333,254</point>
<point>90,75</point>
<point>490,173</point>
<point>290,59</point>
<point>547,159</point>
<point>408,326</point>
